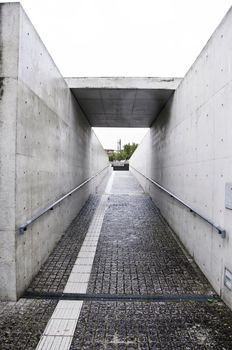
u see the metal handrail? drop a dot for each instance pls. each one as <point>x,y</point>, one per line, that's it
<point>23,227</point>
<point>221,231</point>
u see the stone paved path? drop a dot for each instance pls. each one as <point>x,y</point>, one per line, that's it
<point>137,256</point>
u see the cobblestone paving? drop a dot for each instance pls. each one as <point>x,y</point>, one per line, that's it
<point>137,252</point>
<point>143,326</point>
<point>22,323</point>
<point>54,273</point>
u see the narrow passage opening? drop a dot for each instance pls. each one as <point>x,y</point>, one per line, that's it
<point>120,144</point>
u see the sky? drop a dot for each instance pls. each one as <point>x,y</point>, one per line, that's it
<point>159,38</point>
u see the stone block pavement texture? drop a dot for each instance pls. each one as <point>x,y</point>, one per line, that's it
<point>137,255</point>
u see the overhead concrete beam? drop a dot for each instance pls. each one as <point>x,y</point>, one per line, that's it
<point>122,102</point>
<point>123,83</point>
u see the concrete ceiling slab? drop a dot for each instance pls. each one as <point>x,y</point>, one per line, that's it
<point>122,102</point>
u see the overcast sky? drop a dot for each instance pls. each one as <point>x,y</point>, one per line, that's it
<point>125,38</point>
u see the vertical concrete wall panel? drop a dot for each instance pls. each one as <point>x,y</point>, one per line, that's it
<point>190,151</point>
<point>9,44</point>
<point>50,149</point>
<point>54,146</point>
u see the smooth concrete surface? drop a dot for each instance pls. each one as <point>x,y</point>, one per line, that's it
<point>122,102</point>
<point>189,151</point>
<point>8,105</point>
<point>153,83</point>
<point>47,149</point>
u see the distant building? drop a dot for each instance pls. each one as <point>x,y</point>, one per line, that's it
<point>119,145</point>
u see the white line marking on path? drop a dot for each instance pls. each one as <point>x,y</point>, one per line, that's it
<point>60,328</point>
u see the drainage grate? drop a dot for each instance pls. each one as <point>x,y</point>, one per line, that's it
<point>120,297</point>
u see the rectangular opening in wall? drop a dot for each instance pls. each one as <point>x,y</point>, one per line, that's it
<point>120,143</point>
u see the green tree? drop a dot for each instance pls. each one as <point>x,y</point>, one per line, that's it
<point>125,153</point>
<point>112,157</point>
<point>129,149</point>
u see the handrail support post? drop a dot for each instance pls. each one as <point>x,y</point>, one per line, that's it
<point>222,232</point>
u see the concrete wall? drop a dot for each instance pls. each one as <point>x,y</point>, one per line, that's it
<point>47,149</point>
<point>189,151</point>
<point>9,45</point>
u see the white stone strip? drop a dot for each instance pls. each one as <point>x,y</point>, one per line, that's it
<point>54,343</point>
<point>60,329</point>
<point>109,184</point>
<point>78,281</point>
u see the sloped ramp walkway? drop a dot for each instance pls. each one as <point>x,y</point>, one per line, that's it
<point>132,285</point>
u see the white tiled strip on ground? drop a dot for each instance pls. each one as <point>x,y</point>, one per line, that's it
<point>60,329</point>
